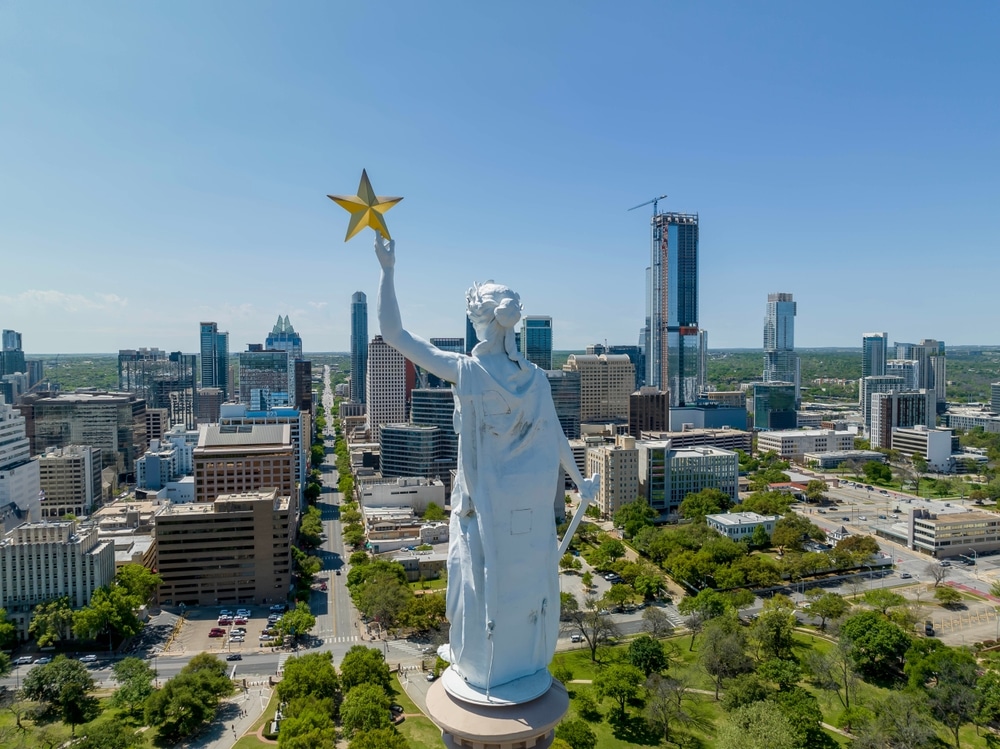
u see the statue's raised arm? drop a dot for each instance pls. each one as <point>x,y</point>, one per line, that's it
<point>444,364</point>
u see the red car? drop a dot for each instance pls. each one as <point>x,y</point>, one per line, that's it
<point>322,586</point>
<point>217,633</point>
<point>241,620</point>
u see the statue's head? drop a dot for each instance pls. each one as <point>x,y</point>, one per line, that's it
<point>494,311</point>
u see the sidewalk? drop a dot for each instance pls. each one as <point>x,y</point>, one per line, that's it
<point>230,722</point>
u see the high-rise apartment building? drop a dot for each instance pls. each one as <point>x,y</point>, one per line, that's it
<point>895,410</point>
<point>162,380</point>
<point>70,480</point>
<point>933,375</point>
<point>19,484</point>
<point>385,386</point>
<point>565,387</point>
<point>874,353</point>
<point>235,549</point>
<point>435,407</point>
<point>284,338</point>
<point>618,465</point>
<point>536,340</point>
<point>42,561</point>
<point>471,339</point>
<point>781,363</point>
<point>649,411</point>
<point>877,384</point>
<point>995,397</point>
<point>672,350</point>
<point>11,355</point>
<point>359,346</point>
<point>215,358</point>
<point>606,382</point>
<point>908,369</point>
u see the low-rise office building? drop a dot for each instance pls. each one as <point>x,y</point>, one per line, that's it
<point>836,458</point>
<point>740,526</point>
<point>234,550</point>
<point>726,439</point>
<point>935,445</point>
<point>793,444</point>
<point>394,528</point>
<point>953,534</point>
<point>412,492</point>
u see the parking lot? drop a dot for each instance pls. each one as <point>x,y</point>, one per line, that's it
<point>194,635</point>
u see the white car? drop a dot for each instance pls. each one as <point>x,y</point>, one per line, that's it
<point>237,638</point>
<point>88,659</point>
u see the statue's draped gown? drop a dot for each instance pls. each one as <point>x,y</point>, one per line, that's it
<point>503,584</point>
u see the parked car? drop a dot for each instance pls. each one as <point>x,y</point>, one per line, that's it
<point>234,657</point>
<point>265,638</point>
<point>431,676</point>
<point>24,660</point>
<point>929,628</point>
<point>846,519</point>
<point>945,563</point>
<point>240,620</point>
<point>237,638</point>
<point>243,612</point>
<point>225,612</point>
<point>576,638</point>
<point>43,660</point>
<point>905,575</point>
<point>89,659</point>
<point>863,518</point>
<point>217,633</point>
<point>323,586</point>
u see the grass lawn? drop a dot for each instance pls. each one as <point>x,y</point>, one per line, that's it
<point>420,732</point>
<point>439,583</point>
<point>53,733</point>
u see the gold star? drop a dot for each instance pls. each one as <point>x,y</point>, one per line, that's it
<point>366,208</point>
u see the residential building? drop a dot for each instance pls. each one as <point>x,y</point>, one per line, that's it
<point>740,526</point>
<point>235,459</point>
<point>891,411</point>
<point>233,550</point>
<point>606,382</point>
<point>908,369</point>
<point>19,475</point>
<point>618,465</point>
<point>995,397</point>
<point>41,561</point>
<point>566,394</point>
<point>877,384</point>
<point>284,338</point>
<point>215,358</point>
<point>158,423</point>
<point>935,445</point>
<point>792,444</point>
<point>648,410</point>
<point>725,438</point>
<point>359,346</point>
<point>70,480</point>
<point>11,354</point>
<point>874,353</point>
<point>114,422</point>
<point>933,375</point>
<point>536,340</point>
<point>411,450</point>
<point>385,386</point>
<point>302,373</point>
<point>672,345</point>
<point>164,381</point>
<point>781,363</point>
<point>773,405</point>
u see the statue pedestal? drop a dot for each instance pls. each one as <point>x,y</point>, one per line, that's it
<point>528,725</point>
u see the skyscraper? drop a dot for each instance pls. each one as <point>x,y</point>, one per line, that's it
<point>606,382</point>
<point>385,386</point>
<point>874,354</point>
<point>471,339</point>
<point>11,354</point>
<point>215,358</point>
<point>672,356</point>
<point>284,338</point>
<point>932,362</point>
<point>536,341</point>
<point>359,345</point>
<point>781,363</point>
<point>162,380</point>
<point>264,375</point>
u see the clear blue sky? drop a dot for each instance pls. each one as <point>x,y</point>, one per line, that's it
<point>167,163</point>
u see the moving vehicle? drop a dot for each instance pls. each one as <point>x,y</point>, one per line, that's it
<point>43,660</point>
<point>905,575</point>
<point>576,638</point>
<point>24,660</point>
<point>431,676</point>
<point>234,657</point>
<point>929,628</point>
<point>89,659</point>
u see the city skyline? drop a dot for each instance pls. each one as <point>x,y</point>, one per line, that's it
<point>867,147</point>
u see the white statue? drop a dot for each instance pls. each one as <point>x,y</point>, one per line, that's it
<point>503,576</point>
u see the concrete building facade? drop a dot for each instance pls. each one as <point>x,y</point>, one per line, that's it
<point>385,387</point>
<point>606,382</point>
<point>238,459</point>
<point>70,479</point>
<point>792,444</point>
<point>618,465</point>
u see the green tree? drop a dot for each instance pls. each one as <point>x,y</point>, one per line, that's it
<point>111,611</point>
<point>697,505</point>
<point>835,671</point>
<point>622,682</point>
<point>297,622</point>
<point>113,733</point>
<point>701,608</point>
<point>632,517</point>
<point>363,665</point>
<point>310,675</point>
<point>47,683</point>
<point>647,655</point>
<point>380,738</point>
<point>612,550</point>
<point>792,530</point>
<point>577,734</point>
<point>743,690</point>
<point>760,538</point>
<point>138,581</point>
<point>724,651</point>
<point>618,595</point>
<point>8,631</point>
<point>801,709</point>
<point>308,724</point>
<point>595,628</point>
<point>816,491</point>
<point>951,691</point>
<point>948,596</point>
<point>316,455</point>
<point>759,725</point>
<point>365,708</point>
<point>899,720</point>
<point>354,535</point>
<point>827,605</point>
<point>882,599</point>
<point>135,684</point>
<point>772,630</point>
<point>434,513</point>
<point>877,646</point>
<point>669,703</point>
<point>190,699</point>
<point>51,622</point>
<point>569,562</point>
<point>587,578</point>
<point>656,622</point>
<point>76,706</point>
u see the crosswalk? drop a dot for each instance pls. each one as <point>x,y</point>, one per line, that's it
<point>281,662</point>
<point>340,639</point>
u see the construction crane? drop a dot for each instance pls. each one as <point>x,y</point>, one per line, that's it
<point>654,201</point>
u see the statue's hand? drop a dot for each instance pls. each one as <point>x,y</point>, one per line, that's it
<point>588,492</point>
<point>386,254</point>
